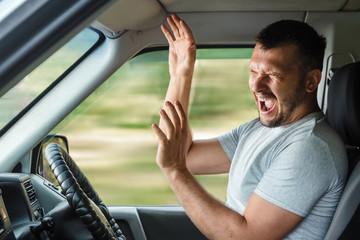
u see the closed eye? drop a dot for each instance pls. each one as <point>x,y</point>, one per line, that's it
<point>275,75</point>
<point>252,71</point>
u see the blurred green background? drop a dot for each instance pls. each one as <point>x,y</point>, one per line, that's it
<point>110,133</point>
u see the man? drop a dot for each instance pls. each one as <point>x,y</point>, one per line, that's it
<point>287,168</point>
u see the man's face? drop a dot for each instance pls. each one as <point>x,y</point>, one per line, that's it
<point>275,82</point>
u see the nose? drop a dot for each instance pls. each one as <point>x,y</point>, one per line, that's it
<point>258,82</point>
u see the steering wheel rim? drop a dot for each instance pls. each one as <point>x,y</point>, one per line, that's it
<point>79,194</point>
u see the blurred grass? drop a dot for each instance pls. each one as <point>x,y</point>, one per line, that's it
<point>110,133</point>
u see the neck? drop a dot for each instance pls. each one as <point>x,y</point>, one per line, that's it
<point>307,107</point>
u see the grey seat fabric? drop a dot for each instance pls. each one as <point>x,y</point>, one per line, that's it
<point>344,116</point>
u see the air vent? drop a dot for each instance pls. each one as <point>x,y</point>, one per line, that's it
<point>31,194</point>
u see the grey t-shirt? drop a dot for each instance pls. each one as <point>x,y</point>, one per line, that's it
<point>300,167</point>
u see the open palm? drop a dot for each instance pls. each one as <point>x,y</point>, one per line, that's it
<point>182,50</point>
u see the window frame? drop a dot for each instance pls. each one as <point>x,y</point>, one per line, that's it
<point>200,46</point>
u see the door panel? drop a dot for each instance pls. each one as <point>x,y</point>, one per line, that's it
<point>156,222</point>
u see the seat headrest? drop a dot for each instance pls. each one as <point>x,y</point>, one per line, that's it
<point>344,103</point>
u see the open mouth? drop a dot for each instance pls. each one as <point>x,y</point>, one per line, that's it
<point>266,105</point>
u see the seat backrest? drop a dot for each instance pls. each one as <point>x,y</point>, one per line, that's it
<point>344,116</point>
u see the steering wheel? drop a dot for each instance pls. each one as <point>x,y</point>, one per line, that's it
<point>81,196</point>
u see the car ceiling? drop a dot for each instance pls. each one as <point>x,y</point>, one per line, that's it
<point>145,14</point>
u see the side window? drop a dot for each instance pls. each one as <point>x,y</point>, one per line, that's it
<point>110,134</point>
<point>20,96</point>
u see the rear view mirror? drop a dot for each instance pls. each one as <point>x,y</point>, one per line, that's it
<point>59,139</point>
<point>40,163</point>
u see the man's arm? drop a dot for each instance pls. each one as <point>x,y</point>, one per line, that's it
<point>261,219</point>
<point>205,156</point>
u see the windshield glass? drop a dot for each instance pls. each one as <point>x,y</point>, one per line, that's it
<point>110,134</point>
<point>17,98</point>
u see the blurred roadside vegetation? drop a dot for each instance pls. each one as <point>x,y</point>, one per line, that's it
<point>110,133</point>
<point>17,98</point>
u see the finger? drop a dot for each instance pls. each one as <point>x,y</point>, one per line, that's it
<point>173,27</point>
<point>167,33</point>
<point>170,129</point>
<point>182,115</point>
<point>177,20</point>
<point>186,30</point>
<point>173,115</point>
<point>159,133</point>
<point>175,17</point>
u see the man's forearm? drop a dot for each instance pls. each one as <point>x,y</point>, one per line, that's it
<point>182,55</point>
<point>212,217</point>
<point>179,90</point>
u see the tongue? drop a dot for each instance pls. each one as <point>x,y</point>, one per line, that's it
<point>269,103</point>
<point>263,107</point>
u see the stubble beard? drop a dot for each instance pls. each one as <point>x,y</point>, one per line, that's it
<point>289,104</point>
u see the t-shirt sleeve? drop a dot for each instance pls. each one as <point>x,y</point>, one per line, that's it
<point>295,180</point>
<point>229,142</point>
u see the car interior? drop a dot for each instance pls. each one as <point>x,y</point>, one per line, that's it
<point>34,208</point>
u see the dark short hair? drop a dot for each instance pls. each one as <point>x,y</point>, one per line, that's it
<point>311,45</point>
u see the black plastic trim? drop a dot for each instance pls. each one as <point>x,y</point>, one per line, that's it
<point>24,47</point>
<point>201,46</point>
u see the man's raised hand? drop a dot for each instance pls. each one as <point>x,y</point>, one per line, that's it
<point>182,48</point>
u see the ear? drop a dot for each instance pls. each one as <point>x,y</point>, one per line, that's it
<point>313,78</point>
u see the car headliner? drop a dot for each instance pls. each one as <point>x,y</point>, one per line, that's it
<point>144,14</point>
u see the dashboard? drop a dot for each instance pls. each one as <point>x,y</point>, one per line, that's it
<point>32,208</point>
<point>21,215</point>
<point>6,231</point>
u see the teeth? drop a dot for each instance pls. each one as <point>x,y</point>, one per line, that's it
<point>262,99</point>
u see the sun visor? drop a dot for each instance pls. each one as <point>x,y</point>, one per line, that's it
<point>131,15</point>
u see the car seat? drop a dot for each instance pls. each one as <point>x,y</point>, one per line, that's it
<point>344,116</point>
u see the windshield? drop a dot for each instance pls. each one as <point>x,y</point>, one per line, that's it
<point>110,133</point>
<point>20,96</point>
